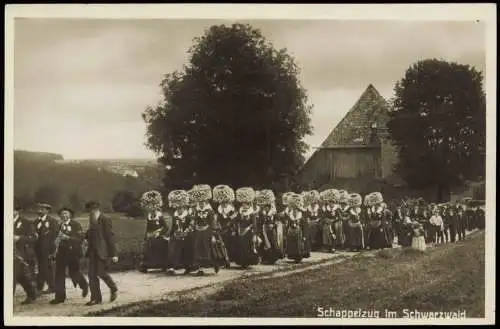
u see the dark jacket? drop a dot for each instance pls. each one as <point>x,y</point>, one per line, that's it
<point>101,238</point>
<point>480,219</point>
<point>451,221</point>
<point>462,220</point>
<point>46,231</point>
<point>25,229</point>
<point>73,245</point>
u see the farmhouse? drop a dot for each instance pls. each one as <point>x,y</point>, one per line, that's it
<point>358,147</point>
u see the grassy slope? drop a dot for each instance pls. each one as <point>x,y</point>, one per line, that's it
<point>447,278</point>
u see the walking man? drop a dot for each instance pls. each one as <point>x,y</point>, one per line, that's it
<point>462,223</point>
<point>46,228</point>
<point>101,249</point>
<point>453,223</point>
<point>24,256</point>
<point>68,255</point>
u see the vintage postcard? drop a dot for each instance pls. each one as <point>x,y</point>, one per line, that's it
<point>250,164</point>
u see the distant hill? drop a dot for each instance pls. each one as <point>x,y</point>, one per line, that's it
<point>37,156</point>
<point>124,167</point>
<point>49,176</point>
<point>131,162</point>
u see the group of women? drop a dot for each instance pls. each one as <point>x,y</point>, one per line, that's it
<point>212,228</point>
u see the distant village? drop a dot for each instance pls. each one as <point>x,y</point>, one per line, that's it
<point>123,167</point>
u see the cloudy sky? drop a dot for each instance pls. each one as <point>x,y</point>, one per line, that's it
<point>81,85</point>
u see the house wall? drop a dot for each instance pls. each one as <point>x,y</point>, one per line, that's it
<point>389,157</point>
<point>329,164</point>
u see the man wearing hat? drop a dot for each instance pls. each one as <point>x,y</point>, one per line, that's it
<point>461,222</point>
<point>451,221</point>
<point>68,255</point>
<point>469,214</point>
<point>24,235</point>
<point>101,248</point>
<point>47,228</point>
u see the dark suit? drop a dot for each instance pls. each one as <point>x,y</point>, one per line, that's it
<point>480,219</point>
<point>68,256</point>
<point>453,222</point>
<point>471,219</point>
<point>24,259</point>
<point>25,229</point>
<point>101,247</point>
<point>45,246</point>
<point>462,223</point>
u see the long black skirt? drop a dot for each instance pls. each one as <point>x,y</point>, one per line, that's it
<point>315,237</point>
<point>229,242</point>
<point>405,235</point>
<point>295,244</point>
<point>245,253</point>
<point>155,253</point>
<point>272,252</point>
<point>355,238</point>
<point>339,229</point>
<point>379,238</point>
<point>203,251</point>
<point>179,253</point>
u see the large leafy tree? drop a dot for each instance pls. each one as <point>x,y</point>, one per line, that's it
<point>438,123</point>
<point>236,114</point>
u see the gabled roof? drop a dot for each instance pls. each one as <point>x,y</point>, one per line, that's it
<point>356,127</point>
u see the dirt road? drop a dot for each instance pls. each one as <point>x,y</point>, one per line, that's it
<point>135,286</point>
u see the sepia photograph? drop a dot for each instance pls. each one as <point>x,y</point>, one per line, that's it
<point>331,164</point>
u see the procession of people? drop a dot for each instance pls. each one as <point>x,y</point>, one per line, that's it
<point>213,228</point>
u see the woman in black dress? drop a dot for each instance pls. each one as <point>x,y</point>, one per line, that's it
<point>270,249</point>
<point>312,213</point>
<point>379,236</point>
<point>355,238</point>
<point>246,239</point>
<point>223,197</point>
<point>179,251</point>
<point>204,253</point>
<point>329,213</point>
<point>296,248</point>
<point>283,219</point>
<point>155,245</point>
<point>340,221</point>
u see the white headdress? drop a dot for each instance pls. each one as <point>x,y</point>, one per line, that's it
<point>245,194</point>
<point>151,200</point>
<point>223,193</point>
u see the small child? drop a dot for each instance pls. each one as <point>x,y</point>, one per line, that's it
<point>438,226</point>
<point>418,240</point>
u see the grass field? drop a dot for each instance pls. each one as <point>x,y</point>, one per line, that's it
<point>447,278</point>
<point>129,235</point>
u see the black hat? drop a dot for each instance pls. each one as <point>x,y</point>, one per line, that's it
<point>68,209</point>
<point>92,205</point>
<point>44,205</point>
<point>17,207</point>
